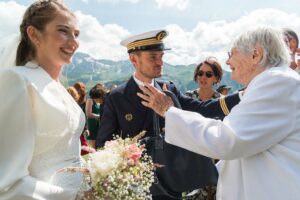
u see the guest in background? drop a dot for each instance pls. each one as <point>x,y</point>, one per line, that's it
<point>206,75</point>
<point>73,92</point>
<point>81,89</point>
<point>293,43</point>
<point>93,104</point>
<point>223,89</point>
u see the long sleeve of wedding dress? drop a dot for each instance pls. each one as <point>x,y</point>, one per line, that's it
<point>40,127</point>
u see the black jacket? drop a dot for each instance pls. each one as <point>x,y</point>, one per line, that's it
<point>125,115</point>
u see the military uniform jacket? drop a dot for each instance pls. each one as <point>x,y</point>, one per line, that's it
<point>125,115</point>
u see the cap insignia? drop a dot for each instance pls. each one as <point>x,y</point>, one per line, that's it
<point>161,35</point>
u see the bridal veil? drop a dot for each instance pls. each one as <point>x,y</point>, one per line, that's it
<point>8,50</point>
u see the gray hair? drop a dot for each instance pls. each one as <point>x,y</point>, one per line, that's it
<point>271,40</point>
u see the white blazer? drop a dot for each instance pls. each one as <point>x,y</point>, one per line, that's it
<point>258,142</point>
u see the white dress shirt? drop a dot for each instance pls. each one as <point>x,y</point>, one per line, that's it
<point>141,83</point>
<point>258,142</point>
<point>40,128</point>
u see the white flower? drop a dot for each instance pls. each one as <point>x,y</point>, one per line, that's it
<point>103,163</point>
<point>120,170</point>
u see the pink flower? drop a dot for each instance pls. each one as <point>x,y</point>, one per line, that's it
<point>135,152</point>
<point>136,156</point>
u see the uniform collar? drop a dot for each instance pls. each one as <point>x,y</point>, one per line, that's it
<point>140,83</point>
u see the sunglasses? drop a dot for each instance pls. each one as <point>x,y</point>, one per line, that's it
<point>208,74</point>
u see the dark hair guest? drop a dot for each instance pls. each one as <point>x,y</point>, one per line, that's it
<point>206,75</point>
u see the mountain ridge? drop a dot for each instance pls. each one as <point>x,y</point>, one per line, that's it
<point>90,71</point>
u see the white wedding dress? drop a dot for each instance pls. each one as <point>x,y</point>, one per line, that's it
<point>40,125</point>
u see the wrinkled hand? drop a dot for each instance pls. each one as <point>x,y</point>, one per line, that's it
<point>155,99</point>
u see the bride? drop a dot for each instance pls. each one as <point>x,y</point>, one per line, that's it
<point>40,122</point>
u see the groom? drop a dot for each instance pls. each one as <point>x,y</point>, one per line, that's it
<point>123,112</point>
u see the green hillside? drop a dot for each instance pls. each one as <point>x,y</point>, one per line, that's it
<point>91,71</point>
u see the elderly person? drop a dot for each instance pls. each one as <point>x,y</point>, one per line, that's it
<point>259,141</point>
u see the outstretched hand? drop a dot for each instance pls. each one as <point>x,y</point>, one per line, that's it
<point>155,99</point>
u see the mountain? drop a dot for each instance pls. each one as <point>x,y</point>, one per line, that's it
<point>90,71</point>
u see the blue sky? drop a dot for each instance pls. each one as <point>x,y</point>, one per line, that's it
<point>198,28</point>
<point>149,14</point>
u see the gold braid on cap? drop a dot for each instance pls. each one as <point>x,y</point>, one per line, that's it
<point>148,41</point>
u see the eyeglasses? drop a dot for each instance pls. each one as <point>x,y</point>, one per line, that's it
<point>208,74</point>
<point>229,54</point>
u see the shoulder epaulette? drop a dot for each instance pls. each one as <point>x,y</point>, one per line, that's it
<point>224,105</point>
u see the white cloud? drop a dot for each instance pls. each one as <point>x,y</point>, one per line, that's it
<point>101,41</point>
<point>214,38</point>
<point>206,39</point>
<point>178,4</point>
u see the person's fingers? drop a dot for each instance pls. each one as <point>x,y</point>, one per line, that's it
<point>143,96</point>
<point>145,104</point>
<point>145,90</point>
<point>165,87</point>
<point>152,89</point>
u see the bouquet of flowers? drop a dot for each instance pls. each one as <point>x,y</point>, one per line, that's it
<point>120,170</point>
